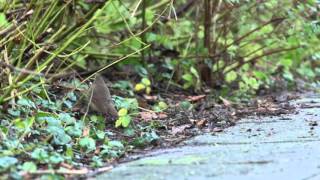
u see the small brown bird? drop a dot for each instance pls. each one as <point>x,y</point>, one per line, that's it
<point>101,100</point>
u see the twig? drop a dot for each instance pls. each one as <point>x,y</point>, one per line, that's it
<point>21,70</point>
<point>83,171</point>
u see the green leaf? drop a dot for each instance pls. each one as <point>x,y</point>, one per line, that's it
<point>138,87</point>
<point>117,144</point>
<point>75,130</point>
<point>151,37</point>
<point>286,63</point>
<point>42,117</point>
<point>26,102</point>
<point>56,158</point>
<point>3,21</point>
<point>100,134</point>
<point>127,103</point>
<point>122,112</point>
<point>125,121</point>
<point>194,72</point>
<point>61,138</point>
<point>69,152</point>
<point>187,77</point>
<point>146,81</point>
<point>288,76</point>
<point>231,76</point>
<point>6,162</point>
<point>88,143</point>
<point>186,105</point>
<point>162,105</point>
<point>68,104</point>
<point>16,112</point>
<point>260,75</point>
<point>40,154</point>
<point>118,123</point>
<point>29,166</point>
<point>97,161</point>
<point>66,118</point>
<point>19,124</point>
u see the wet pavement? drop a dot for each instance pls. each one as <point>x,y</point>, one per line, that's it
<point>286,147</point>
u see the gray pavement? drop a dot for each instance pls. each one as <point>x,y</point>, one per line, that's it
<point>257,148</point>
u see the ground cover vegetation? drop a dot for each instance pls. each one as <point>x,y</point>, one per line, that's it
<point>162,61</point>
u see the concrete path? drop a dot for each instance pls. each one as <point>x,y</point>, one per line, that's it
<point>266,148</point>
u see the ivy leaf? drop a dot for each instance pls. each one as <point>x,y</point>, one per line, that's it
<point>16,113</point>
<point>26,102</point>
<point>40,154</point>
<point>75,130</point>
<point>87,143</point>
<point>100,134</point>
<point>56,158</point>
<point>6,162</point>
<point>117,144</point>
<point>61,138</point>
<point>29,167</point>
<point>66,118</point>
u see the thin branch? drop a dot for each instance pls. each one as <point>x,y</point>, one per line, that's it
<point>254,59</point>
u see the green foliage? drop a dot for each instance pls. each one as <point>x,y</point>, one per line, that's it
<point>145,84</point>
<point>88,144</point>
<point>124,119</point>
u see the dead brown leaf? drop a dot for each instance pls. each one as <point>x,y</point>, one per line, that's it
<point>225,102</point>
<point>201,123</point>
<point>148,116</point>
<point>195,98</point>
<point>150,98</point>
<point>162,115</point>
<point>86,131</point>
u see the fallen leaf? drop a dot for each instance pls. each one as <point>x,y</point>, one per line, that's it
<point>225,102</point>
<point>97,151</point>
<point>162,115</point>
<point>148,97</point>
<point>65,165</point>
<point>201,123</point>
<point>179,129</point>
<point>86,131</point>
<point>148,116</point>
<point>195,98</point>
<point>216,129</point>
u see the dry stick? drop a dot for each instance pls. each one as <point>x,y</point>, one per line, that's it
<point>20,70</point>
<point>246,35</point>
<point>69,171</point>
<point>207,25</point>
<point>245,56</point>
<point>181,10</point>
<point>10,78</point>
